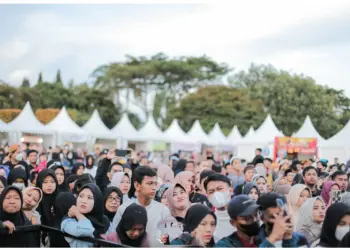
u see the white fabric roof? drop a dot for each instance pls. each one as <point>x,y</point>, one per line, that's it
<point>197,133</point>
<point>250,133</point>
<point>308,130</point>
<point>340,139</point>
<point>27,122</point>
<point>3,126</point>
<point>175,133</point>
<point>62,123</point>
<point>216,136</point>
<point>125,129</point>
<point>235,136</point>
<point>151,132</point>
<point>95,127</point>
<point>265,133</point>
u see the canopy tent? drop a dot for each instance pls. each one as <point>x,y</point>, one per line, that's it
<point>4,127</point>
<point>124,129</point>
<point>96,128</point>
<point>217,137</point>
<point>235,136</point>
<point>250,132</point>
<point>197,133</point>
<point>151,132</point>
<point>308,130</point>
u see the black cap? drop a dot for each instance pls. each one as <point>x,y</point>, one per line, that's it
<point>268,200</point>
<point>104,152</point>
<point>241,205</point>
<point>32,151</point>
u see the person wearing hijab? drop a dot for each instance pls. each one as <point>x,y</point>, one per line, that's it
<point>122,181</point>
<point>81,181</point>
<point>180,166</point>
<point>4,171</point>
<point>78,168</point>
<point>281,187</point>
<point>252,190</point>
<point>86,219</point>
<point>345,243</point>
<point>312,214</point>
<point>297,195</point>
<point>131,230</point>
<point>47,182</point>
<point>199,227</point>
<point>335,226</point>
<point>90,168</point>
<point>261,182</point>
<point>3,183</point>
<point>61,178</point>
<point>32,197</point>
<point>71,181</point>
<point>327,189</point>
<point>18,178</point>
<point>161,194</point>
<point>178,201</point>
<point>11,216</point>
<point>165,173</point>
<point>63,203</point>
<point>113,198</point>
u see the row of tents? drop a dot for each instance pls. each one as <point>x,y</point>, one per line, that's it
<point>62,128</point>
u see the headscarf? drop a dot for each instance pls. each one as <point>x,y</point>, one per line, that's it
<point>183,177</point>
<point>260,170</point>
<point>107,193</point>
<point>133,215</point>
<point>171,201</point>
<point>87,162</point>
<point>47,204</point>
<point>248,187</point>
<point>165,173</point>
<point>306,222</point>
<point>256,177</point>
<point>161,191</point>
<point>4,181</point>
<point>17,173</point>
<point>293,198</point>
<point>18,219</point>
<point>26,190</point>
<point>98,220</point>
<point>326,188</point>
<point>180,166</point>
<point>6,169</point>
<point>64,186</point>
<point>76,167</point>
<point>117,179</point>
<point>333,216</point>
<point>283,189</point>
<point>82,180</point>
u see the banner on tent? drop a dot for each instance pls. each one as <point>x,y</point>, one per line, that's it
<point>175,147</point>
<point>295,145</point>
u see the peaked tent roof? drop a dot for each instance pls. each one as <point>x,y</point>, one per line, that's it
<point>235,136</point>
<point>95,127</point>
<point>308,130</point>
<point>125,129</point>
<point>27,122</point>
<point>216,136</point>
<point>4,127</point>
<point>265,133</point>
<point>62,123</point>
<point>250,132</point>
<point>197,133</point>
<point>340,139</point>
<point>151,132</point>
<point>175,133</point>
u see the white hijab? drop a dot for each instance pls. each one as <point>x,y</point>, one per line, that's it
<point>117,180</point>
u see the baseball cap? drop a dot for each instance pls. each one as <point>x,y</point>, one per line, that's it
<point>241,205</point>
<point>104,152</point>
<point>268,200</point>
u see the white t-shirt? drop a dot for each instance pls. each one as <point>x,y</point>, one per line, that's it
<point>91,171</point>
<point>223,226</point>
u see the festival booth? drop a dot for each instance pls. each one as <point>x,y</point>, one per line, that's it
<point>264,138</point>
<point>26,128</point>
<point>179,140</point>
<point>99,133</point>
<point>295,148</point>
<point>337,146</point>
<point>197,134</point>
<point>234,138</point>
<point>126,134</point>
<point>66,130</point>
<point>219,140</point>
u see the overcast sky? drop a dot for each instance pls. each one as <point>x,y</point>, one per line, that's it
<point>310,37</point>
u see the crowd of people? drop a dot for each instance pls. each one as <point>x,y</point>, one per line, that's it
<point>212,200</point>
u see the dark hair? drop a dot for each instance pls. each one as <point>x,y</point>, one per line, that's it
<point>336,173</point>
<point>259,149</point>
<point>308,168</point>
<point>216,168</point>
<point>217,177</point>
<point>140,173</point>
<point>268,159</point>
<point>32,151</point>
<point>293,167</point>
<point>114,164</point>
<point>204,174</point>
<point>287,172</point>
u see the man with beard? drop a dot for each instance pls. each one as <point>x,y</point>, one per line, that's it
<point>310,177</point>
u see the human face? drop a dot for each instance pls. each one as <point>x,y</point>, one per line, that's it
<point>254,194</point>
<point>318,212</point>
<point>267,164</point>
<point>31,199</point>
<point>285,166</point>
<point>229,169</point>
<point>310,177</point>
<point>85,201</point>
<point>217,186</point>
<point>269,214</point>
<point>188,184</point>
<point>345,220</point>
<point>43,158</point>
<point>2,172</point>
<point>246,220</point>
<point>164,200</point>
<point>342,181</point>
<point>12,202</point>
<point>249,175</point>
<point>2,187</point>
<point>135,232</point>
<point>80,170</point>
<point>125,184</point>
<point>147,188</point>
<point>90,161</point>
<point>33,157</point>
<point>49,185</point>
<point>190,167</point>
<point>261,183</point>
<point>237,164</point>
<point>205,229</point>
<point>59,175</point>
<point>113,202</point>
<point>180,198</point>
<point>303,197</point>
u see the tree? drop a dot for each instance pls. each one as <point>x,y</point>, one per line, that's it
<point>58,77</point>
<point>25,83</point>
<point>40,78</point>
<point>222,104</point>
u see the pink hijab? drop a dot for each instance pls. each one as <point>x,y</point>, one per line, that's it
<point>183,177</point>
<point>325,190</point>
<point>165,173</point>
<point>170,197</point>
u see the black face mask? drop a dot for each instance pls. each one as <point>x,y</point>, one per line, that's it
<point>251,229</point>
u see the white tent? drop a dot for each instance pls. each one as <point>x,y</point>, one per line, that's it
<point>235,136</point>
<point>96,128</point>
<point>217,137</point>
<point>250,133</point>
<point>308,130</point>
<point>175,133</point>
<point>197,133</point>
<point>26,122</point>
<point>151,132</point>
<point>3,126</point>
<point>125,129</point>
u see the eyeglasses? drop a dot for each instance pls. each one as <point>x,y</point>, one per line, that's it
<point>116,199</point>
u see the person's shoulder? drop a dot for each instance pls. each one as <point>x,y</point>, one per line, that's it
<point>177,242</point>
<point>229,241</point>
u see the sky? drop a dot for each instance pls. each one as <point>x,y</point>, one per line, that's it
<point>309,37</point>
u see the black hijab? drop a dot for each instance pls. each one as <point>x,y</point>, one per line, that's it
<point>83,180</point>
<point>98,220</point>
<point>3,180</point>
<point>76,167</point>
<point>180,166</point>
<point>87,161</point>
<point>106,193</point>
<point>17,173</point>
<point>64,186</point>
<point>133,215</point>
<point>47,204</point>
<point>333,216</point>
<point>18,219</point>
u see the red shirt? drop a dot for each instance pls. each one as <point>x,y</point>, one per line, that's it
<point>246,243</point>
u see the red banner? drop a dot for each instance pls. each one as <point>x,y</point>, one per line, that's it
<point>291,145</point>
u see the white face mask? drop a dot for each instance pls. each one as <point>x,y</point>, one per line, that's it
<point>19,157</point>
<point>341,231</point>
<point>21,186</point>
<point>220,199</point>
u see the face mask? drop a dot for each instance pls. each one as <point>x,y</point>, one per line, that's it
<point>220,199</point>
<point>341,231</point>
<point>19,185</point>
<point>251,229</point>
<point>19,157</point>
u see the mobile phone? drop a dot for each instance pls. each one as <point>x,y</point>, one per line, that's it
<point>282,205</point>
<point>123,153</point>
<point>335,195</point>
